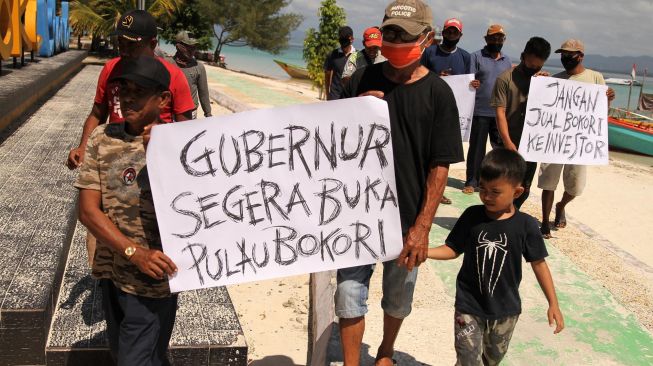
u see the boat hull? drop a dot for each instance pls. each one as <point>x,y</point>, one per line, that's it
<point>292,70</point>
<point>627,137</point>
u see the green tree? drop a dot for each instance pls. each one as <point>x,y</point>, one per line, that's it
<point>319,43</point>
<point>99,17</point>
<point>254,23</point>
<point>191,19</point>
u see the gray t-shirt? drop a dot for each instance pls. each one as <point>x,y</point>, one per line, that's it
<point>199,89</point>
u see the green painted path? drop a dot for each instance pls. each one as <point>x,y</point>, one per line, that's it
<point>599,330</point>
<point>256,92</point>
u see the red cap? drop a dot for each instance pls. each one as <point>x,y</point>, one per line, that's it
<point>453,22</point>
<point>372,37</point>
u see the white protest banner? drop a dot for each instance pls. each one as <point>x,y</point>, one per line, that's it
<point>465,99</point>
<point>566,123</point>
<point>275,192</point>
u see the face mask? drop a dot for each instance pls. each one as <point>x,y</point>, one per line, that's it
<point>528,71</point>
<point>569,62</point>
<point>447,43</point>
<point>184,53</point>
<point>494,48</point>
<point>401,55</point>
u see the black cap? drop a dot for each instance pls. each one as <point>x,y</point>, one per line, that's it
<point>345,32</point>
<point>145,71</point>
<point>136,25</point>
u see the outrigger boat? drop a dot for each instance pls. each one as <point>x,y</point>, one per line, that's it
<point>630,131</point>
<point>633,131</point>
<point>293,71</point>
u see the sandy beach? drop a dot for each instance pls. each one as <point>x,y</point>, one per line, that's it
<point>606,245</point>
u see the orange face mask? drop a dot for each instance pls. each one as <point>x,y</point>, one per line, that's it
<point>401,55</point>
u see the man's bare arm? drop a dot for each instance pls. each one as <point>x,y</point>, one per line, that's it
<point>184,116</point>
<point>98,115</point>
<point>416,242</point>
<point>502,126</point>
<point>151,262</point>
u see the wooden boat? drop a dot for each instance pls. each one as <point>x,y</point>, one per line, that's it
<point>294,71</point>
<point>631,134</point>
<point>618,81</point>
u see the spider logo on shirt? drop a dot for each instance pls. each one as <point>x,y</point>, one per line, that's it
<point>490,258</point>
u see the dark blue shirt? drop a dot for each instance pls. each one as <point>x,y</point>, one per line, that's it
<point>437,60</point>
<point>486,69</point>
<point>336,63</point>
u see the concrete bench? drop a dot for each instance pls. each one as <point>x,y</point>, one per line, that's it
<point>37,215</point>
<point>207,330</point>
<point>21,89</point>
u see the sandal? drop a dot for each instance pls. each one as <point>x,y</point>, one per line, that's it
<point>468,190</point>
<point>560,220</point>
<point>546,231</point>
<point>445,200</point>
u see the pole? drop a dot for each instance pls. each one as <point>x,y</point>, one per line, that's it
<point>630,91</point>
<point>141,4</point>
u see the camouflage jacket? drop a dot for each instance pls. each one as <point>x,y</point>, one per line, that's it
<point>114,164</point>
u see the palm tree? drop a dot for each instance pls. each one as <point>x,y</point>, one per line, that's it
<point>98,17</point>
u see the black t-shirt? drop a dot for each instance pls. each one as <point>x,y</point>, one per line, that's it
<point>425,130</point>
<point>336,62</point>
<point>488,281</point>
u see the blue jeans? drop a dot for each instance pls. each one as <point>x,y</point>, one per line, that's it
<point>482,127</point>
<point>353,289</point>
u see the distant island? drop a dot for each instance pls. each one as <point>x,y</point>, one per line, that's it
<point>615,64</point>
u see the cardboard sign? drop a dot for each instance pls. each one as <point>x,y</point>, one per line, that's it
<point>275,192</point>
<point>465,100</point>
<point>566,123</point>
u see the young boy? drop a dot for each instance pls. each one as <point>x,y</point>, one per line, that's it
<point>493,238</point>
<point>115,204</point>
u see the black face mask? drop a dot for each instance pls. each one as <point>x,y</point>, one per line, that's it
<point>344,42</point>
<point>528,71</point>
<point>447,43</point>
<point>493,47</point>
<point>569,62</point>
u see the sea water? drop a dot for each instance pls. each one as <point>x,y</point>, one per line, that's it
<point>255,61</point>
<point>261,63</point>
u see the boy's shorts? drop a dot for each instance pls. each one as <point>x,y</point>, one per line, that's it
<point>574,177</point>
<point>481,342</point>
<point>353,289</point>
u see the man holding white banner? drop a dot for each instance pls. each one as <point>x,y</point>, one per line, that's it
<point>572,53</point>
<point>447,59</point>
<point>426,139</point>
<point>486,65</point>
<point>509,98</point>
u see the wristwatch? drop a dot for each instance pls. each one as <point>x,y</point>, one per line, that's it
<point>130,251</point>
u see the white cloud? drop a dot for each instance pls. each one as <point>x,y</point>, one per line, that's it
<point>608,27</point>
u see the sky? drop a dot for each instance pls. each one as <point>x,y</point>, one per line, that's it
<point>607,27</point>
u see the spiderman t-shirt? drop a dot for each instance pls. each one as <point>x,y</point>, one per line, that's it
<point>488,281</point>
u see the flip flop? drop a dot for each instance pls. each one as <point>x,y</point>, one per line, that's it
<point>546,231</point>
<point>560,220</point>
<point>445,201</point>
<point>468,190</point>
